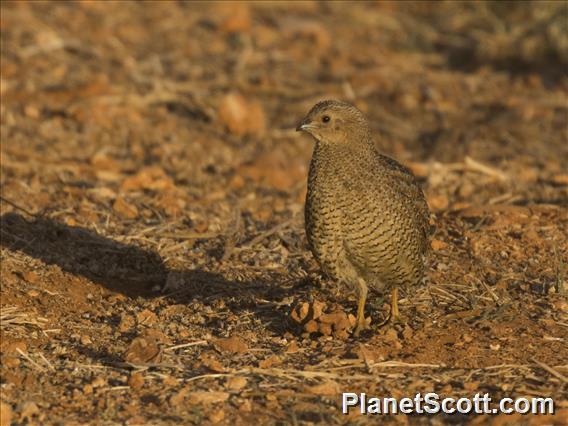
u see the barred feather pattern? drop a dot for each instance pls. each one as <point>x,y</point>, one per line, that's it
<point>366,216</point>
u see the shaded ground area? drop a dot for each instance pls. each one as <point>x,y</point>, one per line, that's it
<point>153,261</point>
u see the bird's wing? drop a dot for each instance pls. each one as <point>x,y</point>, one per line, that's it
<point>406,182</point>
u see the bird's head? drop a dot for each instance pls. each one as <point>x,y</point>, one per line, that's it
<point>335,122</point>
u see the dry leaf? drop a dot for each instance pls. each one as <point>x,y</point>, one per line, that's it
<point>236,383</point>
<point>5,414</point>
<point>143,350</point>
<point>438,245</point>
<point>232,344</point>
<point>270,361</point>
<point>136,381</point>
<point>151,178</point>
<point>146,317</point>
<point>125,209</point>
<point>329,388</point>
<point>242,116</point>
<point>207,397</point>
<point>211,363</point>
<point>178,398</point>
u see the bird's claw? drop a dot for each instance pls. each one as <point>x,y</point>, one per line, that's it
<point>362,325</point>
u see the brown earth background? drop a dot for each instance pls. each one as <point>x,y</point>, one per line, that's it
<point>154,266</point>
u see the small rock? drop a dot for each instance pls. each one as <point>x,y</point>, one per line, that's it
<point>325,329</point>
<point>352,320</point>
<point>146,317</point>
<point>270,361</point>
<point>327,388</point>
<point>466,189</point>
<point>157,336</point>
<point>211,363</point>
<point>5,414</point>
<point>236,383</point>
<point>200,397</point>
<point>292,348</point>
<point>232,344</point>
<point>172,204</point>
<point>442,267</point>
<point>471,386</point>
<point>438,202</point>
<point>317,308</point>
<point>143,350</point>
<point>103,161</point>
<point>124,209</point>
<point>216,416</point>
<point>408,101</point>
<point>103,193</point>
<point>152,178</point>
<point>126,323</point>
<point>136,381</point>
<point>137,420</point>
<point>391,336</point>
<point>169,381</point>
<point>33,293</point>
<point>420,170</point>
<point>237,19</point>
<point>311,326</point>
<point>31,277</point>
<point>339,322</point>
<point>241,116</point>
<point>12,348</point>
<point>300,312</point>
<point>32,111</point>
<point>178,398</point>
<point>10,361</point>
<point>237,182</point>
<point>98,382</point>
<point>560,179</point>
<point>438,245</point>
<point>246,406</point>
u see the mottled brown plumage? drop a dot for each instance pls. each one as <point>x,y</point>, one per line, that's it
<point>367,221</point>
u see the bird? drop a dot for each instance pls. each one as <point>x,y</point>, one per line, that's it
<point>367,221</point>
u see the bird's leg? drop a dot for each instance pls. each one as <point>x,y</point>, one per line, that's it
<point>394,314</point>
<point>362,293</point>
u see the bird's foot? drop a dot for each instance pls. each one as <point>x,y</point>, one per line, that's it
<point>362,324</point>
<point>396,319</point>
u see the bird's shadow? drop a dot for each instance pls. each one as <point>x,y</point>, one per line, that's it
<point>136,272</point>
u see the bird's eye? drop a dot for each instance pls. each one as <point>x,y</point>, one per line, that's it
<point>325,119</point>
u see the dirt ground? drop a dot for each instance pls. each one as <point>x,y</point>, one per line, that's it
<point>154,266</point>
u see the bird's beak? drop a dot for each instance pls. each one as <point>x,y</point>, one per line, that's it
<point>303,126</point>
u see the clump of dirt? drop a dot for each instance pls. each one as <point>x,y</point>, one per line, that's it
<point>154,266</point>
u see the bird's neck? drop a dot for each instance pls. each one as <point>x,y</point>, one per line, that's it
<point>345,154</point>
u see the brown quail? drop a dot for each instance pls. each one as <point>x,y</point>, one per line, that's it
<point>367,221</point>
